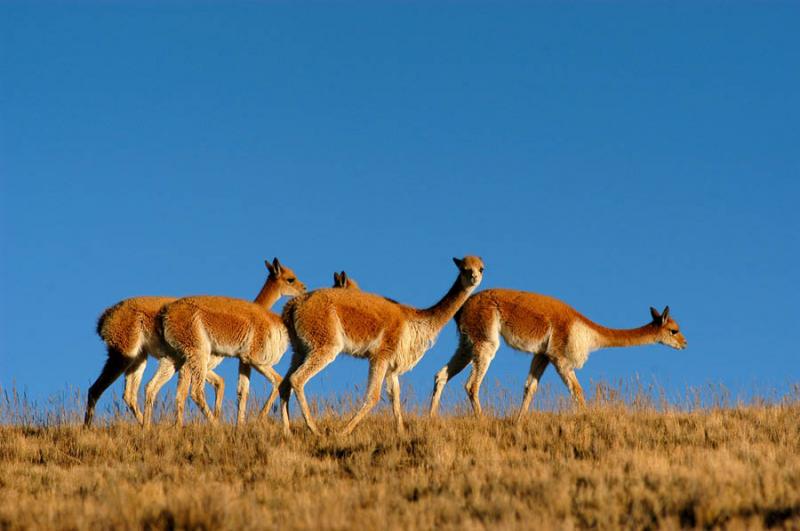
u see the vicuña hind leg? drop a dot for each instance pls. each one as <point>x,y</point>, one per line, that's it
<point>571,381</point>
<point>538,365</point>
<point>133,379</point>
<point>484,353</point>
<point>198,365</point>
<point>285,389</point>
<point>115,365</point>
<point>166,368</point>
<point>275,378</point>
<point>456,364</point>
<point>182,392</point>
<point>393,388</point>
<point>377,372</point>
<point>314,362</point>
<point>217,383</point>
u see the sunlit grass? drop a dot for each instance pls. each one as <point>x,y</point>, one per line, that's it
<point>634,457</point>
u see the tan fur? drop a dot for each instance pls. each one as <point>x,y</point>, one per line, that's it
<point>552,330</point>
<point>199,327</point>
<point>130,332</point>
<point>392,336</point>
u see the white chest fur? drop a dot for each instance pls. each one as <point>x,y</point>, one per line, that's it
<point>416,338</point>
<point>582,341</point>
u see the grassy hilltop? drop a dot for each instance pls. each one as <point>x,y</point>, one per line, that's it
<point>614,464</point>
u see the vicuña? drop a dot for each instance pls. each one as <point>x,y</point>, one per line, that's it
<point>550,329</point>
<point>200,327</point>
<point>130,332</point>
<point>392,336</point>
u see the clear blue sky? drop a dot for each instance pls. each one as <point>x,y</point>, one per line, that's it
<point>615,156</point>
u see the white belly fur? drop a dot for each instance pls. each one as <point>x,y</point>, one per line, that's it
<point>535,345</point>
<point>360,349</point>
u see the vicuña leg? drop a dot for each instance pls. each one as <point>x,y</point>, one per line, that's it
<point>217,383</point>
<point>198,365</point>
<point>456,364</point>
<point>538,365</point>
<point>166,368</point>
<point>133,379</point>
<point>115,365</point>
<point>314,362</point>
<point>377,372</point>
<point>182,392</point>
<point>242,391</point>
<point>285,389</point>
<point>484,353</point>
<point>393,388</point>
<point>275,378</point>
<point>571,381</point>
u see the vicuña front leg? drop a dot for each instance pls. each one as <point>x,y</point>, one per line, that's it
<point>275,379</point>
<point>484,353</point>
<point>393,388</point>
<point>453,367</point>
<point>538,365</point>
<point>377,372</point>
<point>571,381</point>
<point>315,361</point>
<point>242,391</point>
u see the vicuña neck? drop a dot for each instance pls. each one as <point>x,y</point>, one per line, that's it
<point>269,294</point>
<point>444,310</point>
<point>625,337</point>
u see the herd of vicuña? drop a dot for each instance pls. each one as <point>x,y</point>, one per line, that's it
<point>192,335</point>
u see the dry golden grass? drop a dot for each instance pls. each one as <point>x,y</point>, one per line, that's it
<point>615,464</point>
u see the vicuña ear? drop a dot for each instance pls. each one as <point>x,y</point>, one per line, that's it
<point>336,279</point>
<point>269,267</point>
<point>459,262</point>
<point>344,278</point>
<point>656,316</point>
<point>665,313</point>
<point>276,266</point>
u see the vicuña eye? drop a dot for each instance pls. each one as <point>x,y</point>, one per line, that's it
<point>673,332</point>
<point>481,270</point>
<point>290,280</point>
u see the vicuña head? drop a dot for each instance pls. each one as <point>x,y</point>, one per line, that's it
<point>471,268</point>
<point>286,282</point>
<point>668,332</point>
<point>341,280</point>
